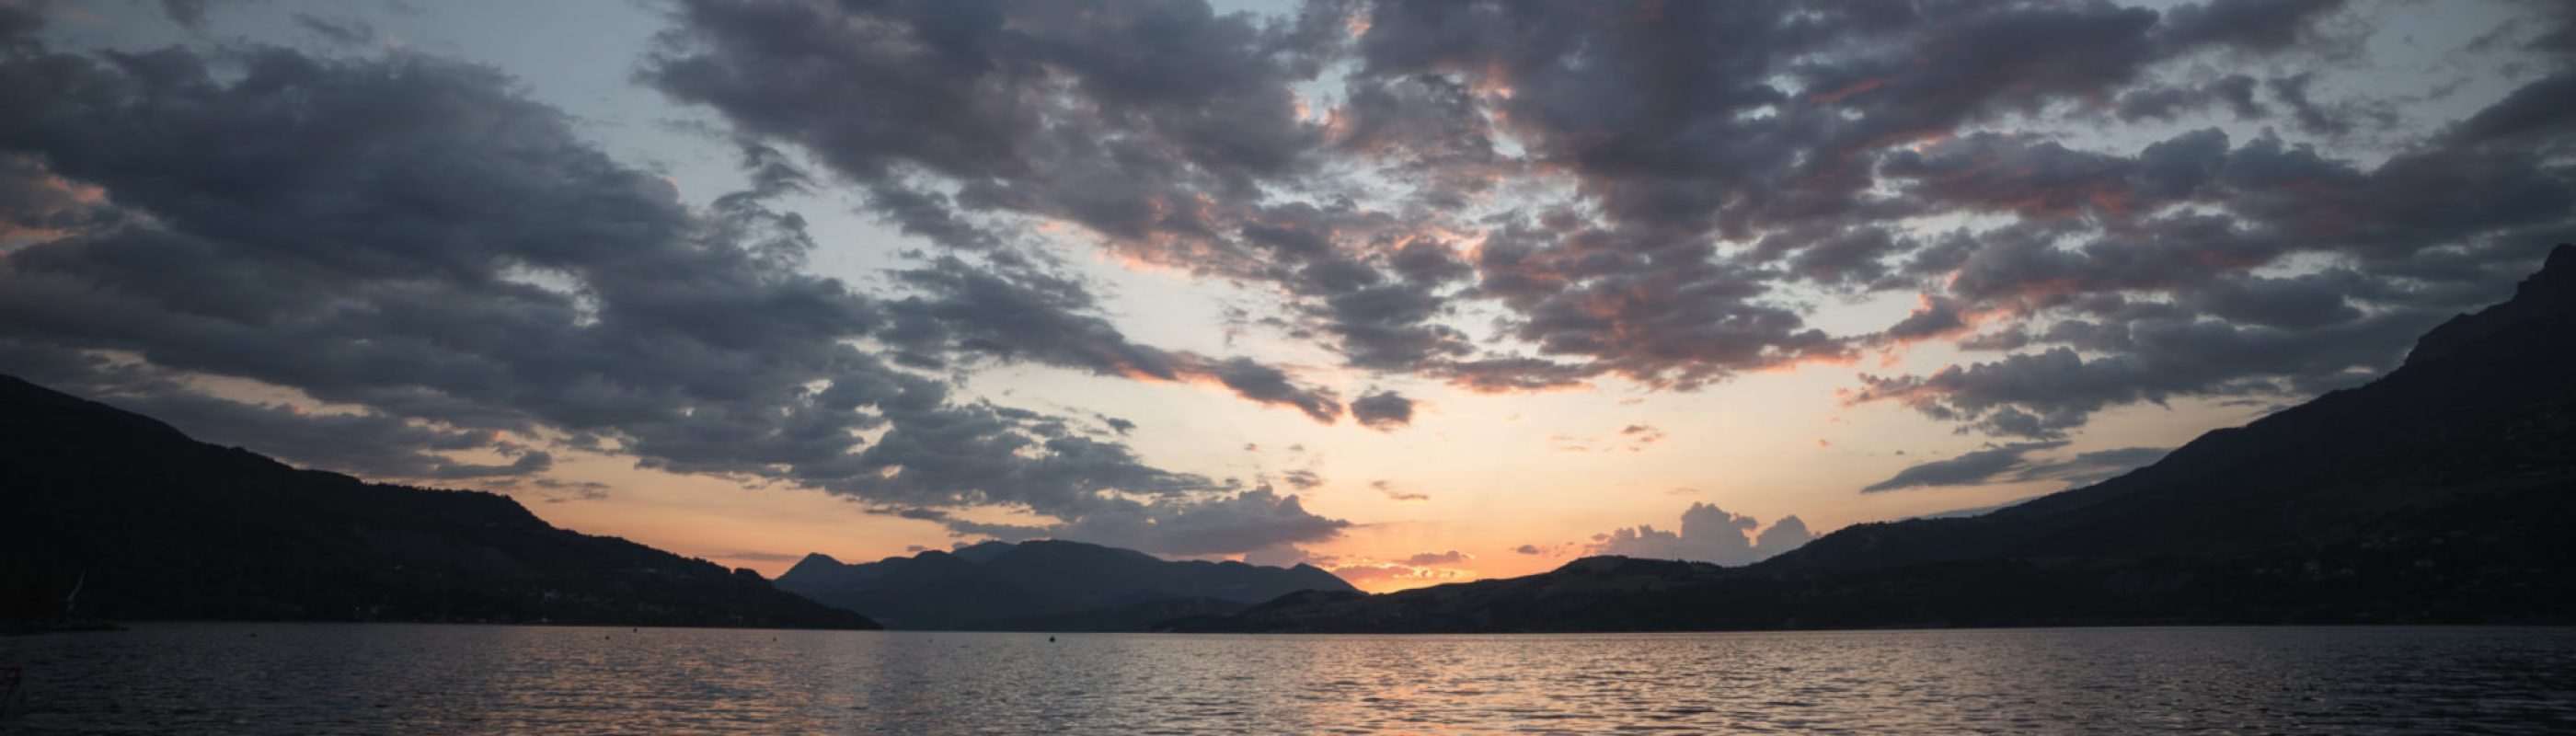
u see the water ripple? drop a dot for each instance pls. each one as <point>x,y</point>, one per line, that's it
<point>368,679</point>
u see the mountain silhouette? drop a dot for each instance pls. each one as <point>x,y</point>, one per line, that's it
<point>1044,585</point>
<point>149,524</point>
<point>2439,493</point>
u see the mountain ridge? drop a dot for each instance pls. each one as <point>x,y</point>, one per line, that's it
<point>2433,494</point>
<point>1043,584</point>
<point>150,524</point>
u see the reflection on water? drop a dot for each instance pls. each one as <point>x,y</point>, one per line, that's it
<point>309,678</point>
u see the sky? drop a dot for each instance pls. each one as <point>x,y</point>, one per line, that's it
<point>1416,292</point>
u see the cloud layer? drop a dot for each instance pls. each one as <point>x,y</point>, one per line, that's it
<point>2011,464</point>
<point>448,268</point>
<point>1646,191</point>
<point>399,264</point>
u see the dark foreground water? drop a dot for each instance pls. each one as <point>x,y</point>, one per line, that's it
<point>366,679</point>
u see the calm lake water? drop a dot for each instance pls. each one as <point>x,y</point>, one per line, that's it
<point>379,678</point>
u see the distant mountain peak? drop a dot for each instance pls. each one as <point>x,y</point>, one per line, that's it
<point>982,551</point>
<point>1045,584</point>
<point>2551,291</point>
<point>815,561</point>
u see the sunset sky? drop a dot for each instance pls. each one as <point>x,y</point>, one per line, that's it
<point>1414,292</point>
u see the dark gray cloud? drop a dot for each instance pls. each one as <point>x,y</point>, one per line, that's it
<point>2011,464</point>
<point>1013,108</point>
<point>1393,493</point>
<point>2047,393</point>
<point>1249,520</point>
<point>19,22</point>
<point>1451,557</point>
<point>1114,115</point>
<point>410,237</point>
<point>1432,132</point>
<point>2535,114</point>
<point>1270,385</point>
<point>1968,469</point>
<point>1506,374</point>
<point>1811,131</point>
<point>2164,302</point>
<point>2087,468</point>
<point>1707,534</point>
<point>1151,124</point>
<point>1302,479</point>
<point>1936,317</point>
<point>1667,316</point>
<point>1997,172</point>
<point>190,13</point>
<point>1010,309</point>
<point>2320,117</point>
<point>1504,196</point>
<point>1383,410</point>
<point>1739,156</point>
<point>2256,25</point>
<point>347,31</point>
<point>2234,92</point>
<point>2295,302</point>
<point>1021,313</point>
<point>368,444</point>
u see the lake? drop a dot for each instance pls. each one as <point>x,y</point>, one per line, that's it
<point>391,678</point>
